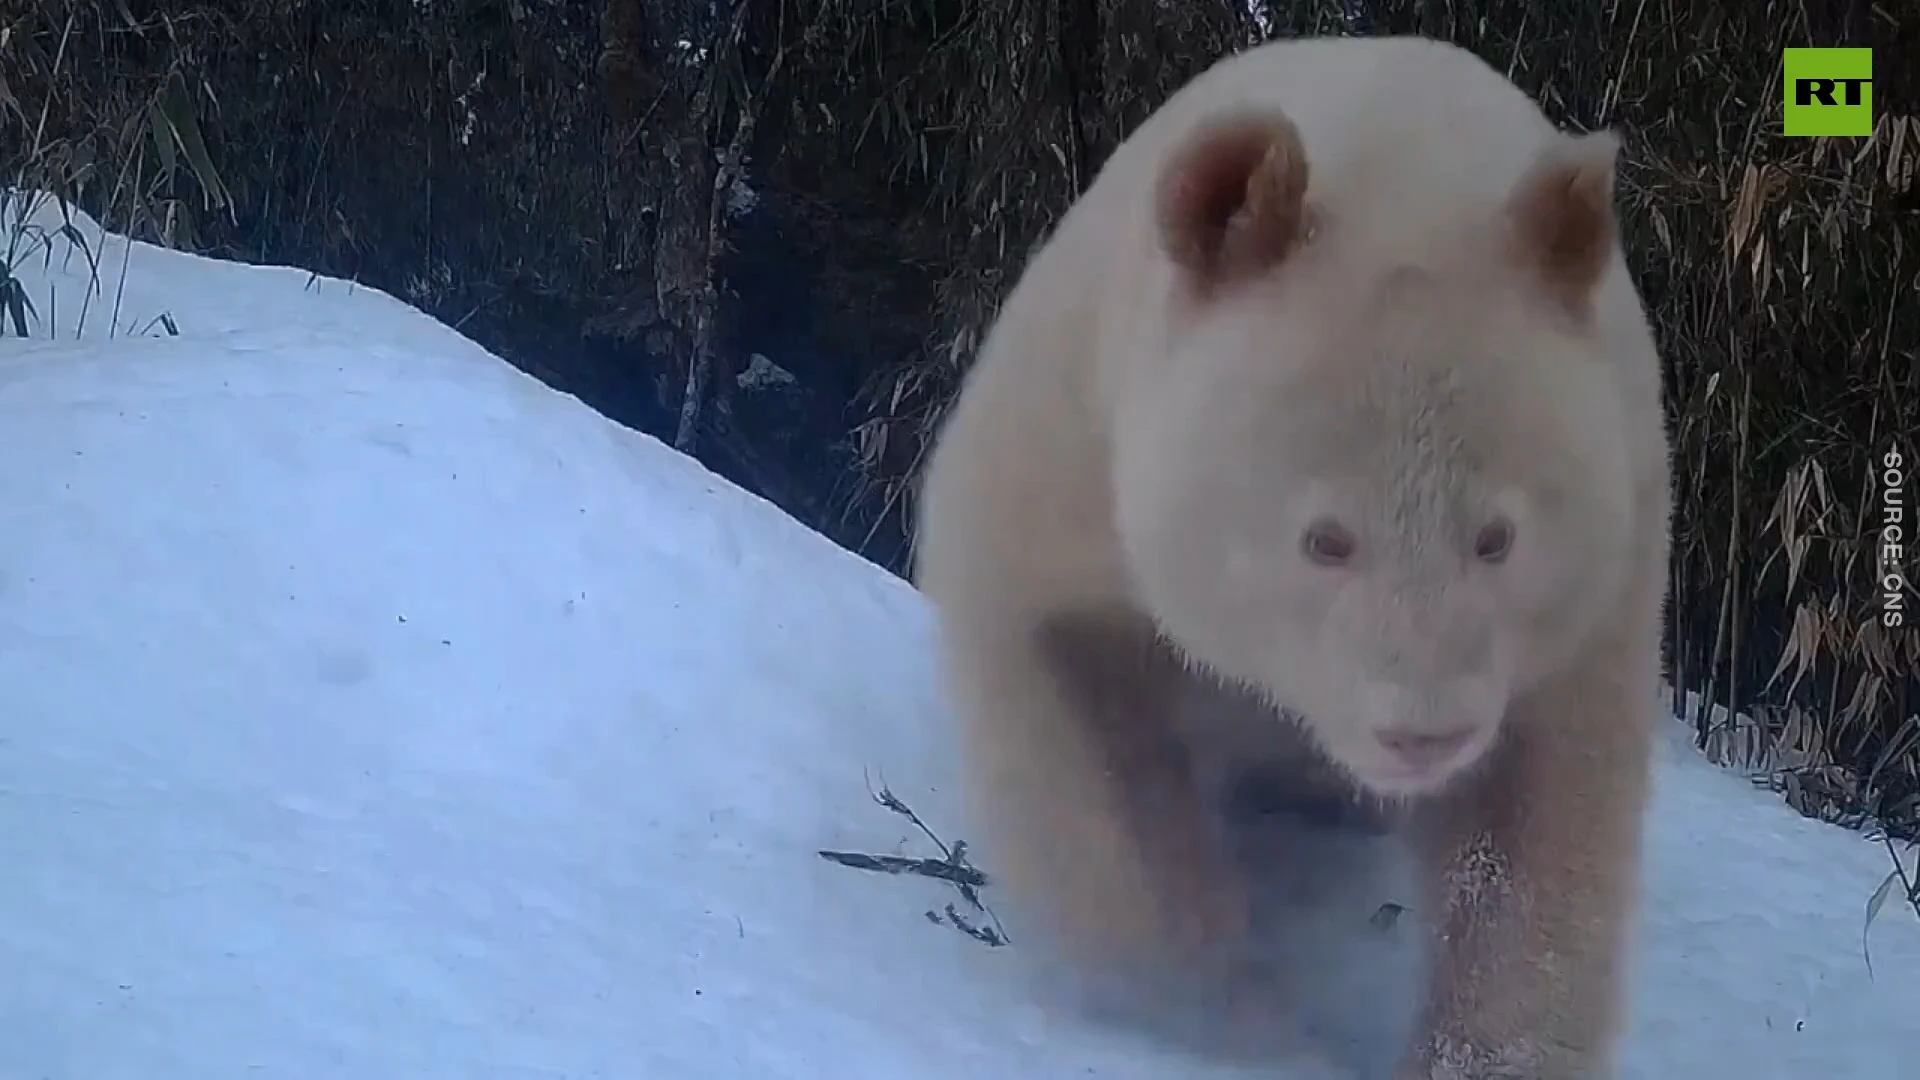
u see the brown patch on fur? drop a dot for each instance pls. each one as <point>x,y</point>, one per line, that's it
<point>1120,683</point>
<point>1114,516</point>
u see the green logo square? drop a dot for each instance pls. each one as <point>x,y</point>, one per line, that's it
<point>1829,91</point>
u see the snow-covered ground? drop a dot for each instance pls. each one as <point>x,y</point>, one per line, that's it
<point>369,710</point>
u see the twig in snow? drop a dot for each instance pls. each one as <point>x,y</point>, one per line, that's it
<point>940,869</point>
<point>952,867</point>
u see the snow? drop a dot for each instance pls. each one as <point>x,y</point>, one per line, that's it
<point>368,709</point>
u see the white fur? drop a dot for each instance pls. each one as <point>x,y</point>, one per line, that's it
<point>1408,350</point>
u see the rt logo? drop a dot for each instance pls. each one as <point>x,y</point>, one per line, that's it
<point>1829,91</point>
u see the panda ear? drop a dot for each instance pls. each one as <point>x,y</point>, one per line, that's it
<point>1563,230</point>
<point>1231,201</point>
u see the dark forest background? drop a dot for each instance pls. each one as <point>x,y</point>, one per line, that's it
<point>772,231</point>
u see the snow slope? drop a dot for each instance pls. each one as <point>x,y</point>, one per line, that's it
<point>369,710</point>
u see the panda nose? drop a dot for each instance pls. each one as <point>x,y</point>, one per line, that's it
<point>1424,750</point>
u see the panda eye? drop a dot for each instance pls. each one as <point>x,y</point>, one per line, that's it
<point>1494,542</point>
<point>1327,543</point>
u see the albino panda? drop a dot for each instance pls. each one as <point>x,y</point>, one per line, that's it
<point>1333,385</point>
